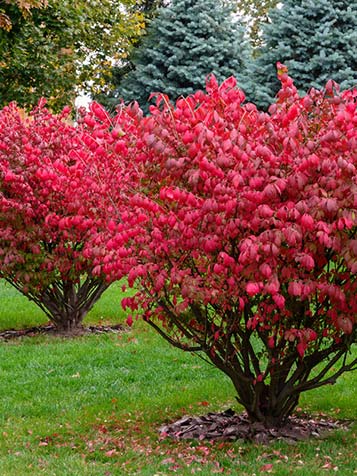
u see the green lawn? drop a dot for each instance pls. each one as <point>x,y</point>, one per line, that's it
<point>92,406</point>
<point>17,312</point>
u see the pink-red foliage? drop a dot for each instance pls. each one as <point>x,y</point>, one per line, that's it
<point>248,245</point>
<point>237,226</point>
<point>54,206</point>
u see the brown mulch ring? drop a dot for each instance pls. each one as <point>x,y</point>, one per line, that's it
<point>50,329</point>
<point>229,426</point>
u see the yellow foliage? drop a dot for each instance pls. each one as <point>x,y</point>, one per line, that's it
<point>24,6</point>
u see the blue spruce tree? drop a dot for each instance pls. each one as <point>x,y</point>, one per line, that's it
<point>187,41</point>
<point>315,39</point>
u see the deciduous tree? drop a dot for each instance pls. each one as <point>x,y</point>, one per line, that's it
<point>24,6</point>
<point>107,97</point>
<point>62,48</point>
<point>256,13</point>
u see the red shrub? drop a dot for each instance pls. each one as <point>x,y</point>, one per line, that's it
<point>54,206</point>
<point>248,249</point>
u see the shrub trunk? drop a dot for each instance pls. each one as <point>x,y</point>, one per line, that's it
<point>66,303</point>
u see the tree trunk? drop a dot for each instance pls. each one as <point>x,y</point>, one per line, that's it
<point>268,409</point>
<point>66,303</point>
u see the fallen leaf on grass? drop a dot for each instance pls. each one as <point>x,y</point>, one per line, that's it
<point>266,468</point>
<point>204,404</point>
<point>218,468</point>
<point>330,466</point>
<point>168,461</point>
<point>111,453</point>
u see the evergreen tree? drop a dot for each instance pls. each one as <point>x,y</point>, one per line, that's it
<point>187,41</point>
<point>315,39</point>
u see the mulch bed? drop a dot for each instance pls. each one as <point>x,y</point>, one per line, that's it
<point>51,330</point>
<point>229,426</point>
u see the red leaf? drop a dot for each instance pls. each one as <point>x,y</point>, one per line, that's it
<point>111,453</point>
<point>266,468</point>
<point>252,289</point>
<point>301,347</point>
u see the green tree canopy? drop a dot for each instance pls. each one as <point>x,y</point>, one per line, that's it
<point>62,48</point>
<point>114,76</point>
<point>256,13</point>
<point>24,6</point>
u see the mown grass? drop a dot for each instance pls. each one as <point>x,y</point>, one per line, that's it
<point>17,312</point>
<point>92,406</point>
